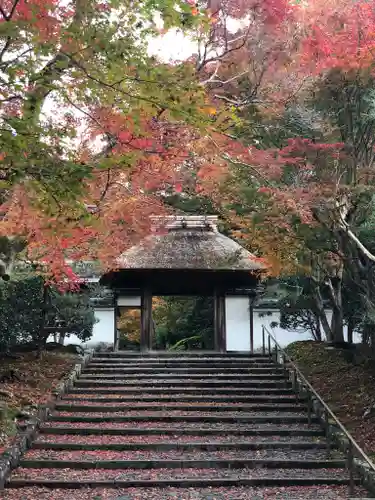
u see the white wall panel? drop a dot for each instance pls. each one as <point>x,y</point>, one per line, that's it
<point>132,301</point>
<point>237,323</point>
<point>103,330</point>
<point>283,337</point>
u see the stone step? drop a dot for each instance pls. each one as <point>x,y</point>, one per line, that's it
<point>196,493</point>
<point>193,390</point>
<point>194,364</point>
<point>208,362</point>
<point>181,463</point>
<point>151,372</point>
<point>180,354</point>
<point>182,359</point>
<point>179,398</point>
<point>214,406</point>
<point>165,442</point>
<point>175,382</point>
<point>188,478</point>
<point>173,457</point>
<point>187,420</point>
<point>202,366</point>
<point>184,376</point>
<point>227,482</point>
<point>194,417</point>
<point>265,429</point>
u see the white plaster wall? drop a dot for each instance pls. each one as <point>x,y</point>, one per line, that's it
<point>103,330</point>
<point>237,323</point>
<point>129,301</point>
<point>283,337</point>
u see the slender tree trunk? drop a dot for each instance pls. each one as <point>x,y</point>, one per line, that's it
<point>320,311</point>
<point>317,329</point>
<point>366,335</point>
<point>350,330</point>
<point>43,335</point>
<point>334,285</point>
<point>372,336</point>
<point>337,325</point>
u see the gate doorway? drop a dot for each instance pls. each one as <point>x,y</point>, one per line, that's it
<point>183,323</point>
<point>128,328</point>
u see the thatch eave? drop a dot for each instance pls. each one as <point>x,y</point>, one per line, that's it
<point>189,249</point>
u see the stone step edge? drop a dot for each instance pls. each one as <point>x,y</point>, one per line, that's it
<point>178,483</point>
<point>181,354</point>
<point>210,384</point>
<point>183,418</point>
<point>193,376</point>
<point>181,432</point>
<point>185,366</point>
<point>202,380</point>
<point>202,445</point>
<point>181,390</point>
<point>182,359</point>
<point>182,464</point>
<point>190,399</point>
<point>193,371</point>
<point>177,359</point>
<point>293,407</point>
<point>183,363</point>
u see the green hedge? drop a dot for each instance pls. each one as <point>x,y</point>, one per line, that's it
<point>24,312</point>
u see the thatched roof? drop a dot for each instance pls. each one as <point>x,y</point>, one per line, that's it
<point>188,243</point>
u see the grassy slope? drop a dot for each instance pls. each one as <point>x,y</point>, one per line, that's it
<point>348,388</point>
<point>38,377</point>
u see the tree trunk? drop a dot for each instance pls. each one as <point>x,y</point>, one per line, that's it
<point>372,334</point>
<point>350,330</point>
<point>3,410</point>
<point>366,335</point>
<point>320,312</point>
<point>337,325</point>
<point>61,338</point>
<point>334,285</point>
<point>43,335</point>
<point>317,330</point>
<point>339,312</point>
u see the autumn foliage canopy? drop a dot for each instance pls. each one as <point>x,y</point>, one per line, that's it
<point>96,131</point>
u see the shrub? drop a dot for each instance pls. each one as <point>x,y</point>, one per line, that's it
<point>26,308</point>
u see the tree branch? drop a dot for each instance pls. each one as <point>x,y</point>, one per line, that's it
<point>250,167</point>
<point>7,18</point>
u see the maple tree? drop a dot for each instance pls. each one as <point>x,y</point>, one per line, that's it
<point>300,152</point>
<point>90,120</point>
<point>87,115</point>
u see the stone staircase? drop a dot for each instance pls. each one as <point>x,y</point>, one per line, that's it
<point>183,426</point>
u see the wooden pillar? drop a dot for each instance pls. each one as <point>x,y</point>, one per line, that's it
<point>219,321</point>
<point>216,322</point>
<point>251,324</point>
<point>223,341</point>
<point>146,319</point>
<point>116,312</point>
